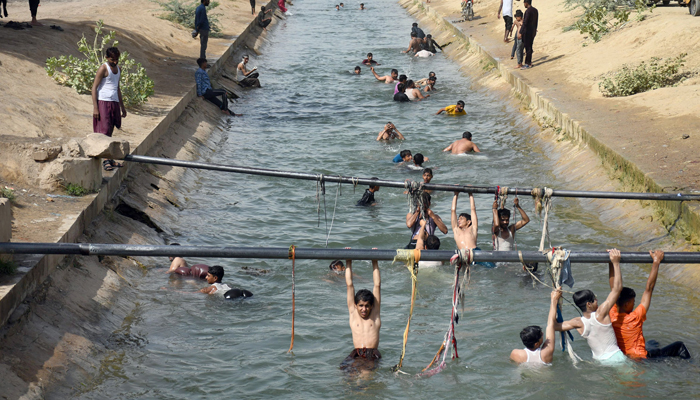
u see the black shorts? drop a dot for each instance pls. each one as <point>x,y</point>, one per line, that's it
<point>509,22</point>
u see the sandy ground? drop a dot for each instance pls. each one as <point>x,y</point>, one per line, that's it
<point>646,128</point>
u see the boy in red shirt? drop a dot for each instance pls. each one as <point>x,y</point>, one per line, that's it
<point>627,321</point>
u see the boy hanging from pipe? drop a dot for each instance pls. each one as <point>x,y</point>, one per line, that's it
<point>365,322</point>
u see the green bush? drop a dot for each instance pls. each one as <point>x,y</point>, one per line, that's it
<point>79,73</point>
<point>7,267</point>
<point>76,190</point>
<point>646,76</point>
<point>182,12</point>
<point>7,193</point>
<point>602,16</point>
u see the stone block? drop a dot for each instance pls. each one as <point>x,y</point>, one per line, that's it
<point>72,149</point>
<point>100,146</point>
<point>86,172</point>
<point>43,155</point>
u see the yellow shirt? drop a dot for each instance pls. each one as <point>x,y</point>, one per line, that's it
<point>452,110</point>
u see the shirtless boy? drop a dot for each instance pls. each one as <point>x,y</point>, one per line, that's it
<point>390,132</point>
<point>365,322</point>
<point>465,226</point>
<point>176,262</point>
<point>415,45</point>
<point>386,78</point>
<point>595,325</point>
<point>463,145</point>
<point>501,228</point>
<point>539,349</point>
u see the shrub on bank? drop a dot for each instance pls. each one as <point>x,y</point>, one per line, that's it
<point>602,16</point>
<point>182,12</point>
<point>79,73</point>
<point>646,76</point>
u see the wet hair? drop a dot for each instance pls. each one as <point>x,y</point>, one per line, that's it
<point>405,153</point>
<point>244,57</point>
<point>401,87</point>
<point>426,198</point>
<point>369,55</point>
<point>112,52</point>
<point>410,84</point>
<point>432,79</point>
<point>418,159</point>
<point>395,71</point>
<point>336,6</point>
<point>530,336</point>
<point>413,34</point>
<point>218,272</point>
<point>357,68</point>
<point>432,242</point>
<point>374,178</point>
<point>262,8</point>
<point>415,24</point>
<point>465,215</point>
<point>460,103</point>
<point>429,171</point>
<point>402,78</point>
<point>626,295</point>
<point>335,264</point>
<point>364,295</point>
<point>201,61</point>
<point>342,4</point>
<point>467,135</point>
<point>583,297</point>
<point>518,13</point>
<point>431,73</point>
<point>504,213</point>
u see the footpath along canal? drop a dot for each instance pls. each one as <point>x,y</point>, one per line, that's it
<point>314,115</point>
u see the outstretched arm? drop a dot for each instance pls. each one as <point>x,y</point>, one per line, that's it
<point>377,283</point>
<point>604,309</point>
<point>449,148</point>
<point>524,218</point>
<point>399,134</point>
<point>566,326</point>
<point>351,287</point>
<point>475,220</point>
<point>453,216</point>
<point>657,256</point>
<point>382,79</point>
<point>476,149</point>
<point>547,352</point>
<point>441,110</point>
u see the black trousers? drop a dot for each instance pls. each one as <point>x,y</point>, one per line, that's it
<point>527,44</point>
<point>252,6</point>
<point>33,7</point>
<point>213,94</point>
<point>675,349</point>
<point>264,24</point>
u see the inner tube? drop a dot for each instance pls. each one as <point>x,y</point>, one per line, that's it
<point>199,271</point>
<point>237,294</point>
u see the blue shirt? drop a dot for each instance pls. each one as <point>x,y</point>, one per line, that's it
<point>201,22</point>
<point>203,82</point>
<point>398,158</point>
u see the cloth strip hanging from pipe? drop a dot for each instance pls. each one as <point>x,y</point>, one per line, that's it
<point>400,184</point>
<point>411,259</point>
<point>292,252</point>
<point>99,249</point>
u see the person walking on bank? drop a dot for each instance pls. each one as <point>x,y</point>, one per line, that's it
<point>107,100</point>
<point>33,8</point>
<point>507,8</point>
<point>201,27</point>
<point>252,6</point>
<point>528,31</point>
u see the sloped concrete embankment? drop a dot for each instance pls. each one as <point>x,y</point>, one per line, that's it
<point>681,220</point>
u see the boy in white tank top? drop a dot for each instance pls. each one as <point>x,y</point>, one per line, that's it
<point>539,349</point>
<point>504,233</point>
<point>595,325</point>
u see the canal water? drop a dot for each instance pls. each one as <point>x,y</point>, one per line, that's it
<point>313,115</point>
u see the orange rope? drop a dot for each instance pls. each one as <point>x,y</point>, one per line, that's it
<point>292,255</point>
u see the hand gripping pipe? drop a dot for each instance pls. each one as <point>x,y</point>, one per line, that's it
<point>88,249</point>
<point>400,184</point>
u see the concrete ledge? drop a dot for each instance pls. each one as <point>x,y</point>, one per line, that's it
<point>684,216</point>
<point>39,272</point>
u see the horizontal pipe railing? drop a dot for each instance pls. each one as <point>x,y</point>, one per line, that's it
<point>400,184</point>
<point>320,253</point>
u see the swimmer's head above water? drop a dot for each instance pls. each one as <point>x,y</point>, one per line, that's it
<point>362,6</point>
<point>337,7</point>
<point>337,266</point>
<point>394,73</point>
<point>364,301</point>
<point>215,274</point>
<point>406,155</point>
<point>418,159</point>
<point>402,78</point>
<point>460,105</point>
<point>432,242</point>
<point>427,175</point>
<point>625,303</point>
<point>358,70</point>
<point>467,135</point>
<point>503,218</point>
<point>532,337</point>
<point>374,188</point>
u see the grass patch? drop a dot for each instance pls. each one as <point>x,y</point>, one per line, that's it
<point>646,76</point>
<point>76,190</point>
<point>600,17</point>
<point>7,267</point>
<point>8,193</point>
<point>182,12</point>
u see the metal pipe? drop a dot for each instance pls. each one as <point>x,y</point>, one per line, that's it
<point>95,249</point>
<point>400,184</point>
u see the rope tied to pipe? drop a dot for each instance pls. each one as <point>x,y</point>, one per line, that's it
<point>416,197</point>
<point>502,194</point>
<point>546,203</point>
<point>411,259</point>
<point>462,259</point>
<point>354,181</point>
<point>292,256</point>
<point>320,190</point>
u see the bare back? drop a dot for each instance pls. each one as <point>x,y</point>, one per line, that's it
<point>462,146</point>
<point>415,45</point>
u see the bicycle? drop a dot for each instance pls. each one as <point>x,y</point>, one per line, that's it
<point>468,10</point>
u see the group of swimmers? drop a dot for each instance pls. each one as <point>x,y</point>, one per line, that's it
<point>342,5</point>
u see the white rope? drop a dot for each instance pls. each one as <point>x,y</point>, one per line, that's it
<point>547,204</point>
<point>337,191</point>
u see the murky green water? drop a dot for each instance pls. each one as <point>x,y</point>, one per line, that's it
<point>313,115</point>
